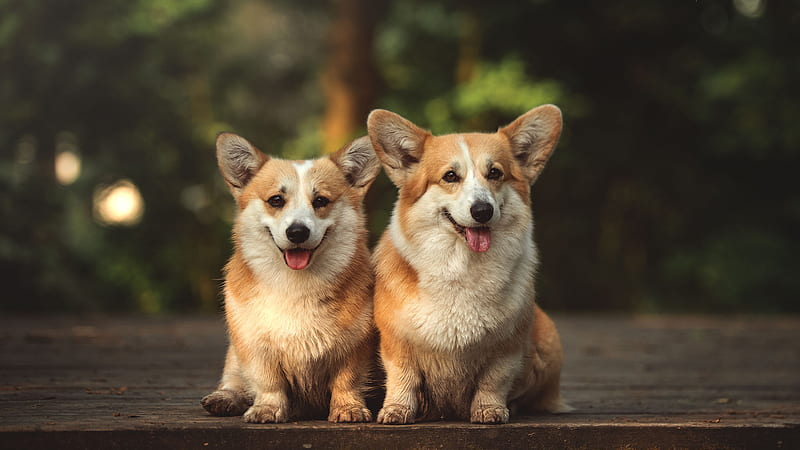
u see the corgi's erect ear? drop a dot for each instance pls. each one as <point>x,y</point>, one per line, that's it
<point>397,142</point>
<point>238,161</point>
<point>359,163</point>
<point>533,138</point>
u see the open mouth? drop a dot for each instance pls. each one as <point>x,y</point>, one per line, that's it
<point>479,239</point>
<point>297,258</point>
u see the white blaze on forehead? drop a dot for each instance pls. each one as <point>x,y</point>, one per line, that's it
<point>462,144</point>
<point>300,210</point>
<point>301,167</point>
<point>473,189</point>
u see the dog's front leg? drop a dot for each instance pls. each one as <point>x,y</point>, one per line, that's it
<point>347,387</point>
<point>491,394</point>
<point>271,403</point>
<point>402,388</point>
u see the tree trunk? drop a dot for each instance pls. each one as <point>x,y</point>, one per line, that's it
<point>350,81</point>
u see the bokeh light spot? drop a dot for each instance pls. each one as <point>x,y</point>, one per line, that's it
<point>68,167</point>
<point>752,9</point>
<point>119,204</point>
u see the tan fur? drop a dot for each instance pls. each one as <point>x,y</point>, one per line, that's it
<point>460,333</point>
<point>302,342</point>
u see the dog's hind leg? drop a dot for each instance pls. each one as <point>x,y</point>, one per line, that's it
<point>544,377</point>
<point>231,397</point>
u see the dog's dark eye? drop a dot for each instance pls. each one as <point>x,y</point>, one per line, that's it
<point>320,202</point>
<point>276,201</point>
<point>451,177</point>
<point>494,174</point>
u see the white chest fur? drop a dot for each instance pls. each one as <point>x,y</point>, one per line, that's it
<point>467,298</point>
<point>298,326</point>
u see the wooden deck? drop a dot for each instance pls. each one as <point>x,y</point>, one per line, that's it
<point>637,381</point>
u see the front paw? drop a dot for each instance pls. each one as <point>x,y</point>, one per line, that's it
<point>489,414</point>
<point>226,403</point>
<point>396,414</point>
<point>265,414</point>
<point>350,413</point>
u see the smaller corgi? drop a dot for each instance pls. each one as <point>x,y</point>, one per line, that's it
<point>298,288</point>
<point>460,333</point>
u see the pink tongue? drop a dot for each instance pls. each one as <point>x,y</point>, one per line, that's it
<point>479,239</point>
<point>297,258</point>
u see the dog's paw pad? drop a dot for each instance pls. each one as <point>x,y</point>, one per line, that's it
<point>489,414</point>
<point>350,413</point>
<point>225,403</point>
<point>265,414</point>
<point>396,414</point>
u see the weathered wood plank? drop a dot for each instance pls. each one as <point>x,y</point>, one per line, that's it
<point>457,437</point>
<point>641,381</point>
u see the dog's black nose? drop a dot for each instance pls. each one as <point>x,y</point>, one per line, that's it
<point>297,233</point>
<point>481,211</point>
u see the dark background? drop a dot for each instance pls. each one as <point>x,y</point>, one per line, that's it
<point>674,186</point>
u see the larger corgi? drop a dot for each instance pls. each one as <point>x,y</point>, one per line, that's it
<point>298,288</point>
<point>460,333</point>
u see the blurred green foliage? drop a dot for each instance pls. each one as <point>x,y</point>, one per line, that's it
<point>671,188</point>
